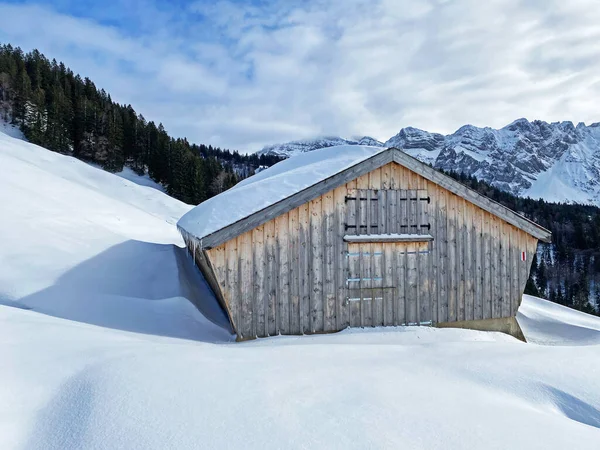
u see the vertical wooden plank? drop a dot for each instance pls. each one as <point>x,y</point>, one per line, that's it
<point>389,283</point>
<point>329,259</point>
<point>412,281</point>
<point>495,268</point>
<point>233,285</point>
<point>248,324</point>
<point>375,179</point>
<point>366,285</point>
<point>442,242</point>
<point>412,179</point>
<point>368,208</point>
<point>386,174</point>
<point>433,257</point>
<point>217,259</point>
<point>354,294</point>
<point>424,283</point>
<point>374,186</point>
<point>501,268</point>
<point>381,213</point>
<point>401,275</point>
<point>305,251</point>
<point>316,262</point>
<point>394,176</point>
<point>348,265</point>
<point>520,269</point>
<point>360,212</point>
<point>412,212</point>
<point>341,270</point>
<point>259,267</point>
<point>294,277</point>
<point>513,269</point>
<point>283,272</point>
<point>478,269</point>
<point>351,210</point>
<point>393,211</point>
<point>487,266</point>
<point>460,258</point>
<point>452,260</point>
<point>468,260</point>
<point>362,184</point>
<point>270,278</point>
<point>378,276</point>
<point>523,267</point>
<point>505,269</point>
<point>402,211</point>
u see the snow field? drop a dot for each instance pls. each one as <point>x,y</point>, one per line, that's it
<point>100,347</point>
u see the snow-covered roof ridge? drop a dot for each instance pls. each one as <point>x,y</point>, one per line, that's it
<point>270,186</point>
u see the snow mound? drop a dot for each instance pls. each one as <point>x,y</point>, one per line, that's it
<point>142,180</point>
<point>547,323</point>
<point>83,244</point>
<point>77,386</point>
<point>270,186</point>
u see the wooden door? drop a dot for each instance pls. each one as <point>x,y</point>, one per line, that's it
<point>384,284</point>
<point>386,280</point>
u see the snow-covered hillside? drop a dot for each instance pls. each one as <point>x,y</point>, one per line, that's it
<point>81,243</point>
<point>100,347</point>
<point>555,161</point>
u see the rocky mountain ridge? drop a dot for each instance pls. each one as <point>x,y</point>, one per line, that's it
<point>556,161</point>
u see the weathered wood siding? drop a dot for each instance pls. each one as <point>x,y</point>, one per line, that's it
<point>291,274</point>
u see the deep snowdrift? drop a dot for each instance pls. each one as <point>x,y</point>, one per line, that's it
<point>88,246</point>
<point>80,243</point>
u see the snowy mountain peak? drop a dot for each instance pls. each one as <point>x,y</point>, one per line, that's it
<point>556,161</point>
<point>292,148</point>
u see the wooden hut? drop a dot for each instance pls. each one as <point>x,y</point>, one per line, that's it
<point>360,237</point>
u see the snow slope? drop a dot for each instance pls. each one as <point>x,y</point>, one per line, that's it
<point>81,243</point>
<point>142,180</point>
<point>101,349</point>
<point>11,130</point>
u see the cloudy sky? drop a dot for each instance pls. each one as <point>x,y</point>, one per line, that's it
<point>241,74</point>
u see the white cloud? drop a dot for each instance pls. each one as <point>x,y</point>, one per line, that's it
<point>243,76</point>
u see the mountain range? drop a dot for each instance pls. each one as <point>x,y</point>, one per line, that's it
<point>556,161</point>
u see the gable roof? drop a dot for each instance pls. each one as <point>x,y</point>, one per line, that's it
<point>295,181</point>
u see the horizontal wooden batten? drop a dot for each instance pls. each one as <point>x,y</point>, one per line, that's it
<point>369,238</point>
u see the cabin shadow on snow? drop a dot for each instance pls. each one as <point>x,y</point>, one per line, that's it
<point>140,287</point>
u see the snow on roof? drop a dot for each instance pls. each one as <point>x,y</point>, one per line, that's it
<point>270,186</point>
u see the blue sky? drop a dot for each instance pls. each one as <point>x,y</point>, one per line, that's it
<point>242,74</point>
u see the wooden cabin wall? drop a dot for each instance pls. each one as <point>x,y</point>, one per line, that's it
<point>288,276</point>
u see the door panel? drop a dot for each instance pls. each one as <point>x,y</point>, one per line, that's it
<point>383,284</point>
